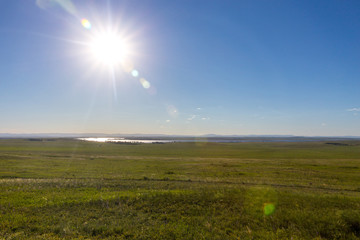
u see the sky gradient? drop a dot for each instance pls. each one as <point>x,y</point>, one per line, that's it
<point>205,67</point>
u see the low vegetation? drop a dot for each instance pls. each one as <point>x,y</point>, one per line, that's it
<point>69,189</point>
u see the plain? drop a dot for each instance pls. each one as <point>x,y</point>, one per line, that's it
<point>70,189</point>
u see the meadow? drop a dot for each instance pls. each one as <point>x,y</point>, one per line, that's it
<point>71,189</point>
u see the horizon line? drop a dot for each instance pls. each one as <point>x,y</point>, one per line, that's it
<point>169,135</point>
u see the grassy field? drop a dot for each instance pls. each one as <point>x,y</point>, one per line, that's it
<point>69,189</point>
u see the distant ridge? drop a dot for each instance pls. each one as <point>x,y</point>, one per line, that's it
<point>139,135</point>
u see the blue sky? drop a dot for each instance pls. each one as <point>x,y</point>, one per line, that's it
<point>223,67</point>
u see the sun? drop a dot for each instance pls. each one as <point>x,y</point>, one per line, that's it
<point>109,48</point>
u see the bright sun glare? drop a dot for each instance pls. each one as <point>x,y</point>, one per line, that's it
<point>109,48</point>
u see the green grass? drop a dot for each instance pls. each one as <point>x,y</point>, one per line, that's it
<point>68,189</point>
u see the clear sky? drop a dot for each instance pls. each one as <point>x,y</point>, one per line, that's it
<point>186,67</point>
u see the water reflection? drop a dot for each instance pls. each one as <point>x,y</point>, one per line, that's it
<point>204,139</point>
<point>123,140</point>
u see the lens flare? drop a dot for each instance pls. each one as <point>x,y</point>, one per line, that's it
<point>261,201</point>
<point>86,24</point>
<point>144,83</point>
<point>66,5</point>
<point>269,209</point>
<point>135,73</point>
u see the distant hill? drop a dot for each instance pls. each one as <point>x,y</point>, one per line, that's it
<point>164,136</point>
